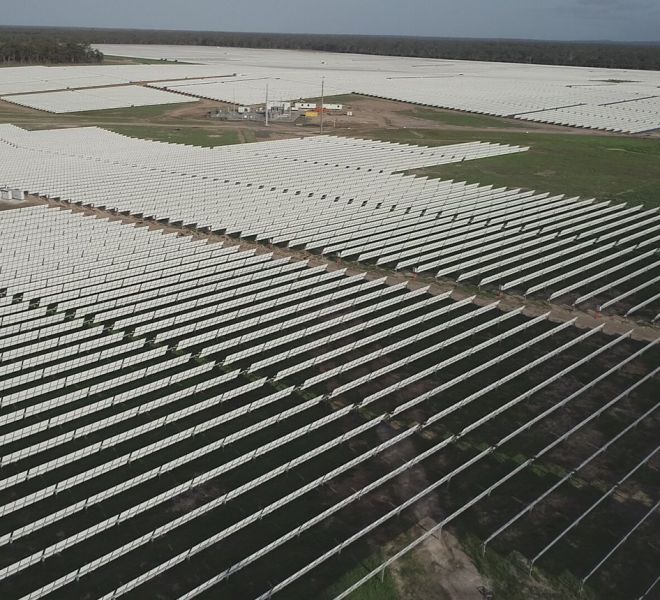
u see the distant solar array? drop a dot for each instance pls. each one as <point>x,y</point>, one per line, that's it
<point>176,414</point>
<point>614,117</point>
<point>84,88</point>
<point>248,89</point>
<point>22,80</point>
<point>607,107</point>
<point>96,99</point>
<point>345,197</point>
<point>608,99</point>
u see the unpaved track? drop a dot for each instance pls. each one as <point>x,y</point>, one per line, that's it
<point>368,114</point>
<point>614,324</point>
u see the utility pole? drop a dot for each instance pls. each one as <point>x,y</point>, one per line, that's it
<point>266,104</point>
<point>322,103</point>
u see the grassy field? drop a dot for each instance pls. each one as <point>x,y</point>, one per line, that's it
<point>11,113</point>
<point>337,99</point>
<point>189,135</point>
<point>159,123</point>
<point>606,167</point>
<point>459,119</point>
<point>139,113</point>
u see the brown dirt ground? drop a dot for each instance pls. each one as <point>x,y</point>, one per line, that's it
<point>438,569</point>
<point>12,204</point>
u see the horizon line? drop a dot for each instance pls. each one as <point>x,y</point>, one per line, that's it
<point>372,35</point>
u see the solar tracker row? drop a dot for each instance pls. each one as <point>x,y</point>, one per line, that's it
<point>348,198</point>
<point>220,406</point>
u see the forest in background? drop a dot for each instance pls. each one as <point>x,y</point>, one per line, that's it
<point>75,41</point>
<point>24,48</point>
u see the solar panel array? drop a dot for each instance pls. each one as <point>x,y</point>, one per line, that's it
<point>175,414</point>
<point>96,99</point>
<point>612,117</point>
<point>608,99</point>
<point>347,198</point>
<point>23,80</point>
<point>606,108</point>
<point>251,89</point>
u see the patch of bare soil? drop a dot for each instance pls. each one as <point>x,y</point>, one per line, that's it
<point>438,569</point>
<point>10,204</point>
<point>198,110</point>
<point>16,108</point>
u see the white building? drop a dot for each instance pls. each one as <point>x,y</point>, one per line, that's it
<point>279,105</point>
<point>7,193</point>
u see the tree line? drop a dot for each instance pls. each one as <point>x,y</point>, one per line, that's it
<point>579,54</point>
<point>25,49</point>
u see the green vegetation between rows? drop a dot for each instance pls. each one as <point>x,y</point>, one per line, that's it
<point>463,119</point>
<point>601,166</point>
<point>381,587</point>
<point>511,579</point>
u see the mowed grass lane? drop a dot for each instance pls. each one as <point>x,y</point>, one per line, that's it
<point>607,167</point>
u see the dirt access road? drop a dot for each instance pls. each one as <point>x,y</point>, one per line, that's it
<point>367,114</point>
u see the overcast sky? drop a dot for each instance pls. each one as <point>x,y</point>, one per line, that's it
<point>621,20</point>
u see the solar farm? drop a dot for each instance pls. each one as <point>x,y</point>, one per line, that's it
<point>288,368</point>
<point>601,99</point>
<point>359,206</point>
